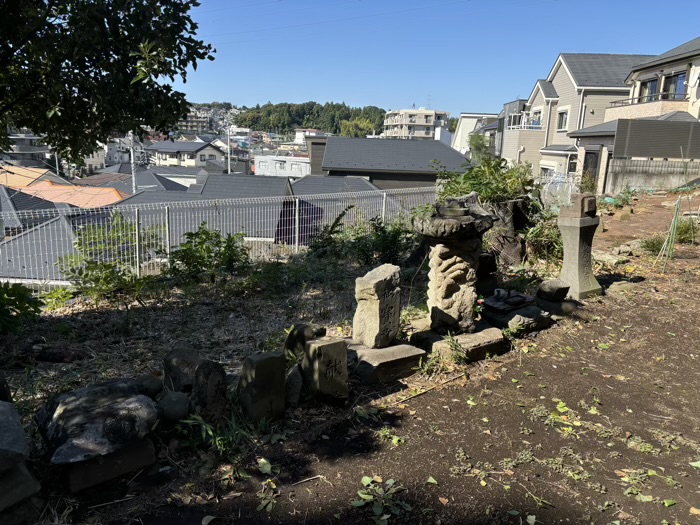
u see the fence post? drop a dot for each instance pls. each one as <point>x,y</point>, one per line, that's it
<point>296,225</point>
<point>138,243</point>
<point>383,207</point>
<point>167,232</point>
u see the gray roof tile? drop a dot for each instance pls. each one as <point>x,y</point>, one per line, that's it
<point>691,48</point>
<point>320,184</point>
<point>601,70</point>
<point>547,89</point>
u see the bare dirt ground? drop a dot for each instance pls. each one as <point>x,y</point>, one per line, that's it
<point>592,421</point>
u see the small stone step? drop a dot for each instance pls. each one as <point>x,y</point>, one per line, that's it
<point>470,347</point>
<point>384,365</point>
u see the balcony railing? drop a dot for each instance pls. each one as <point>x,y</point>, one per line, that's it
<point>537,126</point>
<point>654,97</point>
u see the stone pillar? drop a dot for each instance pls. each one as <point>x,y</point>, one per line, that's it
<point>451,287</point>
<point>325,367</point>
<point>377,318</point>
<point>578,224</point>
<point>261,388</point>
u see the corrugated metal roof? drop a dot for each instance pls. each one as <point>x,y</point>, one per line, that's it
<point>320,184</point>
<point>601,70</point>
<point>387,155</point>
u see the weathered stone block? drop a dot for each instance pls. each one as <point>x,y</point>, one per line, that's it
<point>472,347</point>
<point>179,367</point>
<point>553,290</point>
<point>523,320</point>
<point>86,474</point>
<point>325,367</point>
<point>149,385</point>
<point>377,318</point>
<point>383,365</point>
<point>5,392</point>
<point>209,398</point>
<point>293,385</point>
<point>17,484</point>
<point>300,334</point>
<point>261,387</point>
<point>95,420</point>
<point>174,406</point>
<point>14,447</point>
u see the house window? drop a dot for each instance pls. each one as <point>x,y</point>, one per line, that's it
<point>674,87</point>
<point>296,166</point>
<point>212,157</point>
<point>562,120</point>
<point>572,164</point>
<point>279,165</point>
<point>191,156</point>
<point>262,165</point>
<point>536,118</point>
<point>172,156</point>
<point>202,158</point>
<point>648,90</point>
<point>514,119</point>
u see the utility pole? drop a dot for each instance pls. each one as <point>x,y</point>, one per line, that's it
<point>134,186</point>
<point>58,168</point>
<point>228,155</point>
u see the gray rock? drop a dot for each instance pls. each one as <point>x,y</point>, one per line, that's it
<point>17,484</point>
<point>293,385</point>
<point>5,392</point>
<point>14,447</point>
<point>85,474</point>
<point>523,320</point>
<point>631,248</point>
<point>471,347</point>
<point>609,259</point>
<point>24,513</point>
<point>553,290</point>
<point>302,333</point>
<point>95,420</point>
<point>261,387</point>
<point>149,385</point>
<point>621,286</point>
<point>209,398</point>
<point>377,319</point>
<point>325,367</point>
<point>174,406</point>
<point>179,367</point>
<point>384,365</point>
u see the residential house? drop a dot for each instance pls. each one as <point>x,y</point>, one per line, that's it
<point>414,123</point>
<point>466,125</point>
<point>663,84</point>
<point>26,149</point>
<point>182,153</point>
<point>388,164</point>
<point>489,130</point>
<point>300,135</point>
<point>21,177</point>
<point>95,161</point>
<point>282,166</point>
<point>574,95</point>
<point>78,196</point>
<point>19,210</point>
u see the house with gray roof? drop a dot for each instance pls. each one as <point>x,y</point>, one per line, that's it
<point>574,95</point>
<point>184,153</point>
<point>388,164</point>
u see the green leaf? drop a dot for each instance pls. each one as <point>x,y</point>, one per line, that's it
<point>358,503</point>
<point>365,496</point>
<point>432,480</point>
<point>265,466</point>
<point>531,520</point>
<point>515,381</point>
<point>561,407</point>
<point>603,346</point>
<point>594,411</point>
<point>695,464</point>
<point>366,481</point>
<point>669,502</point>
<point>644,499</point>
<point>514,512</point>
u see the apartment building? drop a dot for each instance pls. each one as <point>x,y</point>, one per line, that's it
<point>467,124</point>
<point>414,123</point>
<point>27,149</point>
<point>575,94</point>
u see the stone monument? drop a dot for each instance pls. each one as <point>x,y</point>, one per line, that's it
<point>578,224</point>
<point>455,234</point>
<point>378,316</point>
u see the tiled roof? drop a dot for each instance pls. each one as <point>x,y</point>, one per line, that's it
<point>179,146</point>
<point>319,184</point>
<point>387,155</point>
<point>610,128</point>
<point>547,89</point>
<point>689,49</point>
<point>20,177</point>
<point>80,196</point>
<point>601,70</point>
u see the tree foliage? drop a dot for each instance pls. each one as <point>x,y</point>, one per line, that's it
<point>78,70</point>
<point>285,117</point>
<point>479,147</point>
<point>357,127</point>
<point>492,179</point>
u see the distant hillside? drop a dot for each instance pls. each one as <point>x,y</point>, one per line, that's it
<point>284,117</point>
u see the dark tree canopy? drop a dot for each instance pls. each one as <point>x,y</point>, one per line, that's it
<point>78,70</point>
<point>284,117</point>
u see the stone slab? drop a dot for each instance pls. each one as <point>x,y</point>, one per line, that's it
<point>14,447</point>
<point>179,366</point>
<point>377,320</point>
<point>325,367</point>
<point>504,301</point>
<point>86,474</point>
<point>17,484</point>
<point>209,399</point>
<point>384,365</point>
<point>525,320</point>
<point>261,386</point>
<point>302,333</point>
<point>553,290</point>
<point>473,347</point>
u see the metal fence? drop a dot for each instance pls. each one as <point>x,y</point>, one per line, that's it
<point>40,245</point>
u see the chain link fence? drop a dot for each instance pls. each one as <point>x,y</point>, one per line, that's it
<point>40,245</point>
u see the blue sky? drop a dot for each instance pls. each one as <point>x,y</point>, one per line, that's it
<point>452,55</point>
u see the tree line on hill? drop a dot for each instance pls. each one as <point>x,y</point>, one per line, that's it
<point>331,117</point>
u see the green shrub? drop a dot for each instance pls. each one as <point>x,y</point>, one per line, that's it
<point>653,244</point>
<point>99,280</point>
<point>56,298</point>
<point>16,305</point>
<point>587,184</point>
<point>687,231</point>
<point>208,252</point>
<point>543,240</point>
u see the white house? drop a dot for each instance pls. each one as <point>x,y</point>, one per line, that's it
<point>187,154</point>
<point>280,166</point>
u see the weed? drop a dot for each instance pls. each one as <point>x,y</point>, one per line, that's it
<point>387,435</point>
<point>687,231</point>
<point>587,184</point>
<point>267,495</point>
<point>432,366</point>
<point>543,239</point>
<point>227,441</point>
<point>652,245</point>
<point>56,298</point>
<point>17,304</point>
<point>382,501</point>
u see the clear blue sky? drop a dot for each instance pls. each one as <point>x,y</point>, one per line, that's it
<point>452,55</point>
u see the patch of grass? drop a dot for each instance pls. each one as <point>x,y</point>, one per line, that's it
<point>386,435</point>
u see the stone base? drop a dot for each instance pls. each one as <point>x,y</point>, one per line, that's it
<point>476,346</point>
<point>17,484</point>
<point>384,365</point>
<point>524,320</point>
<point>86,474</point>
